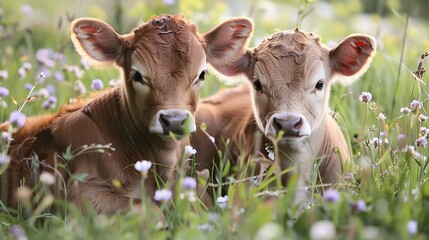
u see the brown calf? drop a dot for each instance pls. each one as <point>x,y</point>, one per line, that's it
<point>162,65</point>
<point>228,115</point>
<point>290,74</point>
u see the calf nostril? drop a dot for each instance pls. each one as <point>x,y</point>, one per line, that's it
<point>290,126</point>
<point>298,124</point>
<point>173,121</point>
<point>277,124</point>
<point>164,120</point>
<point>184,119</point>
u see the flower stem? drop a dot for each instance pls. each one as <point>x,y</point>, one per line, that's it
<point>29,94</point>
<point>364,119</point>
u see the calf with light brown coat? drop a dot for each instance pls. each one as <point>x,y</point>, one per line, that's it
<point>290,75</point>
<point>162,64</point>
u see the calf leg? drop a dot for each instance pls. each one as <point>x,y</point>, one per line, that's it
<point>102,196</point>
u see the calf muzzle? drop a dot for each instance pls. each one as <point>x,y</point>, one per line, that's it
<point>177,121</point>
<point>292,124</point>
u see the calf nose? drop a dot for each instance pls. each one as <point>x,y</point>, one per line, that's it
<point>173,121</point>
<point>290,126</point>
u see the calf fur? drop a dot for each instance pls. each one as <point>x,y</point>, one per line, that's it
<point>162,64</point>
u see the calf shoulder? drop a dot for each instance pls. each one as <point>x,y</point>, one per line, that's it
<point>335,152</point>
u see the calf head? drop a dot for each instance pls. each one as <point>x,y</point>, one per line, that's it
<point>162,63</point>
<point>292,72</point>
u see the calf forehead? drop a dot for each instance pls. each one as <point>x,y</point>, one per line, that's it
<point>289,57</point>
<point>168,45</point>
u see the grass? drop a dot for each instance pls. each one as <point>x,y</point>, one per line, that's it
<point>389,200</point>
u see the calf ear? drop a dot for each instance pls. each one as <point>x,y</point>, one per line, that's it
<point>96,41</point>
<point>226,45</point>
<point>351,58</point>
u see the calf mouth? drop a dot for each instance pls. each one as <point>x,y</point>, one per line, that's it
<point>292,139</point>
<point>169,136</point>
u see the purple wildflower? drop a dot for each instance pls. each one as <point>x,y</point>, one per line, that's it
<point>43,92</point>
<point>421,141</point>
<point>26,9</point>
<point>189,150</point>
<point>51,102</point>
<point>412,227</point>
<point>162,195</point>
<point>323,229</point>
<point>28,86</point>
<point>59,57</point>
<point>405,110</point>
<point>424,131</point>
<point>365,97</point>
<point>143,166</point>
<point>47,178</point>
<point>4,91</point>
<point>423,118</point>
<point>50,88</point>
<point>416,105</point>
<point>78,72</point>
<point>222,201</point>
<point>84,64</point>
<point>169,2</point>
<point>4,74</point>
<point>402,136</point>
<point>381,117</point>
<point>22,73</point>
<point>45,57</point>
<point>59,76</point>
<point>205,227</point>
<point>189,183</point>
<point>79,87</point>
<point>27,66</point>
<point>4,158</point>
<point>360,206</point>
<point>17,119</point>
<point>331,195</point>
<point>376,142</point>
<point>97,84</point>
<point>6,137</point>
<point>18,232</point>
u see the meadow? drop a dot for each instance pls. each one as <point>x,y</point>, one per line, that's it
<point>386,196</point>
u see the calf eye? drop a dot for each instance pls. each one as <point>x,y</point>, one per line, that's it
<point>257,85</point>
<point>137,77</point>
<point>319,85</point>
<point>202,76</point>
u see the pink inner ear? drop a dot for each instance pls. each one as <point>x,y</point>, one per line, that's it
<point>226,46</point>
<point>89,29</point>
<point>97,40</point>
<point>360,43</point>
<point>238,27</point>
<point>351,55</point>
